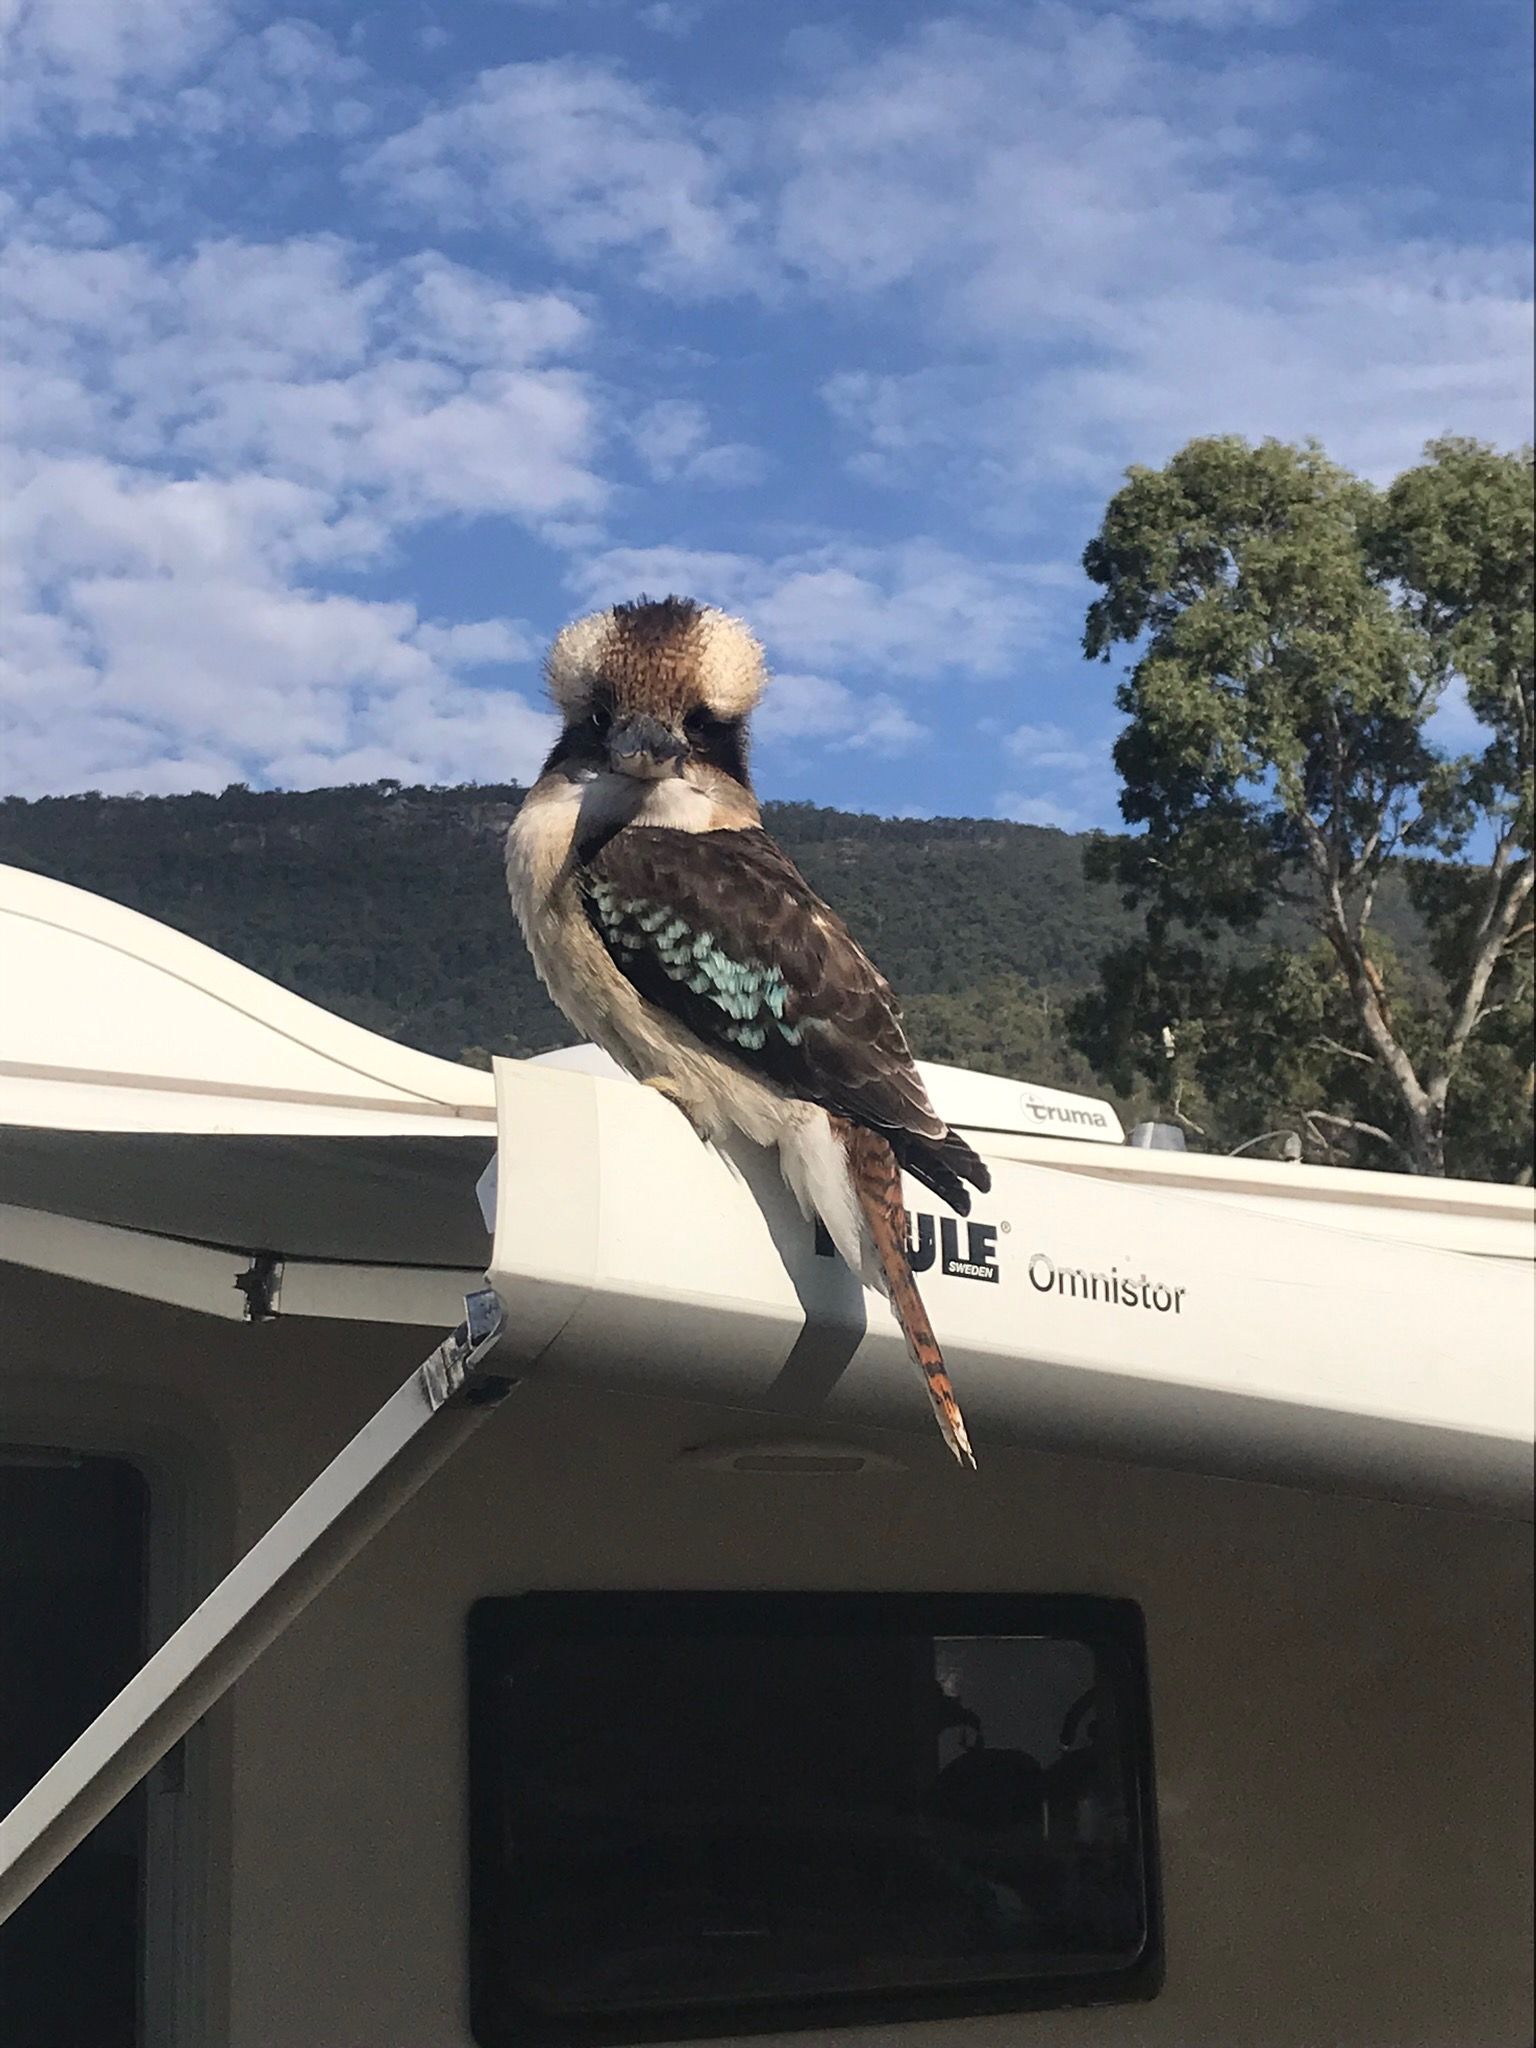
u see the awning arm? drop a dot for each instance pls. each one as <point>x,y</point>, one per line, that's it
<point>365,1484</point>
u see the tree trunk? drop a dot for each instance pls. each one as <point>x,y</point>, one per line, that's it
<point>1427,1133</point>
<point>1423,1108</point>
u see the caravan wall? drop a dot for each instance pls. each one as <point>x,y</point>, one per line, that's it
<point>1339,1688</point>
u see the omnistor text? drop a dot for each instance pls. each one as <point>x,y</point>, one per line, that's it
<point>1046,1277</point>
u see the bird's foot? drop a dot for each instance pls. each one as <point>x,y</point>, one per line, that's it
<point>679,1101</point>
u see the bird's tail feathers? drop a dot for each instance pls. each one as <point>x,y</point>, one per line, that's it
<point>944,1165</point>
<point>876,1179</point>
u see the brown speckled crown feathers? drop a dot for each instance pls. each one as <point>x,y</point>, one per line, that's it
<point>665,656</point>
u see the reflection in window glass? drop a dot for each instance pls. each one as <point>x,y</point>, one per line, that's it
<point>692,1804</point>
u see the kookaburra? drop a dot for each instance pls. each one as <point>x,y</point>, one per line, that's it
<point>674,933</point>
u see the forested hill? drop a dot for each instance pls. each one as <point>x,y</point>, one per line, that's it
<point>387,905</point>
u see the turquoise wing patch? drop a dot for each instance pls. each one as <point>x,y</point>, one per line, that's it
<point>750,998</point>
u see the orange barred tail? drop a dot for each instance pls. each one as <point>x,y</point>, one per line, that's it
<point>876,1180</point>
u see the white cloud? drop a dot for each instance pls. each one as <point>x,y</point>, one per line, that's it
<point>239,663</point>
<point>93,59</point>
<point>465,316</point>
<point>909,426</point>
<point>1051,746</point>
<point>672,439</point>
<point>179,682</point>
<point>479,643</point>
<point>1042,810</point>
<point>1017,188</point>
<point>798,707</point>
<point>592,162</point>
<point>437,731</point>
<point>286,81</point>
<point>419,387</point>
<point>886,727</point>
<point>1014,176</point>
<point>165,629</point>
<point>671,17</point>
<point>667,433</point>
<point>1100,236</point>
<point>111,68</point>
<point>297,356</point>
<point>916,609</point>
<point>1221,15</point>
<point>928,609</point>
<point>1101,268</point>
<point>1073,778</point>
<point>83,516</point>
<point>1446,336</point>
<point>728,465</point>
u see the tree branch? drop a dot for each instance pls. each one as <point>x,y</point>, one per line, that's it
<point>1492,935</point>
<point>1318,850</point>
<point>1369,845</point>
<point>1351,1123</point>
<point>1349,1052</point>
<point>1368,900</point>
<point>1371,1007</point>
<point>1188,1121</point>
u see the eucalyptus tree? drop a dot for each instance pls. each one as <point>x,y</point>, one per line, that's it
<point>1331,684</point>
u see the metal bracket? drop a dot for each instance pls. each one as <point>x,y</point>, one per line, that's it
<point>451,1368</point>
<point>262,1285</point>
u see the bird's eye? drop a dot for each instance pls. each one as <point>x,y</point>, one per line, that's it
<point>697,724</point>
<point>602,717</point>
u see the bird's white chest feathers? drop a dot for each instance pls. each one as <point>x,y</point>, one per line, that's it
<point>558,814</point>
<point>560,809</point>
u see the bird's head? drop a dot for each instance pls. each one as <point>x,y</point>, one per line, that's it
<point>655,688</point>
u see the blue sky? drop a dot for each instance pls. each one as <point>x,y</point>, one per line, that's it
<point>352,351</point>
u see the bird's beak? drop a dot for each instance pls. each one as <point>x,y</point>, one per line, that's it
<point>644,747</point>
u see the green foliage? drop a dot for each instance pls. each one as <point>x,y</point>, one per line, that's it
<point>1002,1026</point>
<point>1458,537</point>
<point>1493,1097</point>
<point>1296,632</point>
<point>1274,670</point>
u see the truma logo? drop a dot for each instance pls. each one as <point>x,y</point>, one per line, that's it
<point>937,1239</point>
<point>1073,1114</point>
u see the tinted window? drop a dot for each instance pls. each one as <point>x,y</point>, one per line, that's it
<point>71,1635</point>
<point>702,1813</point>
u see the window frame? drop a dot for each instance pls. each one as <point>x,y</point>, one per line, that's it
<point>1114,1628</point>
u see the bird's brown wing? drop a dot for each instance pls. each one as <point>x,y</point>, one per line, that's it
<point>721,931</point>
